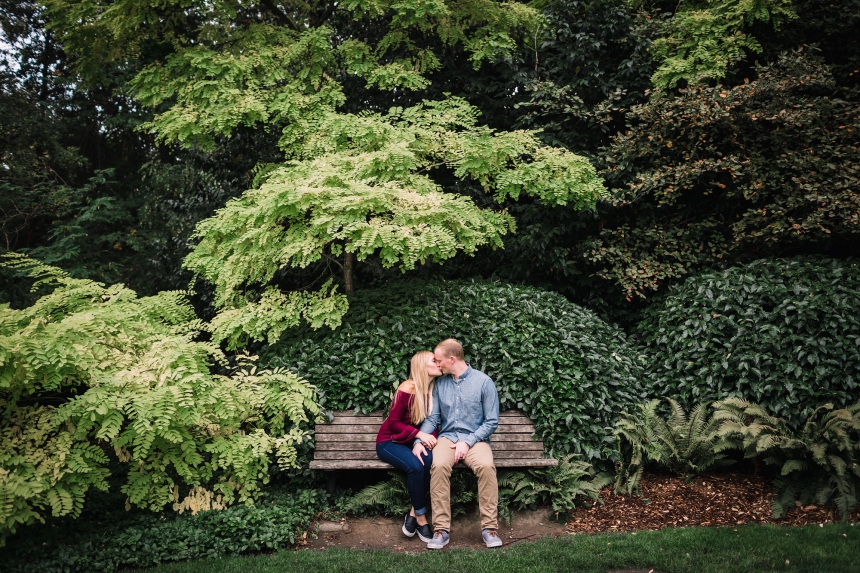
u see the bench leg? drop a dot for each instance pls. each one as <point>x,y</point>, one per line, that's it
<point>330,481</point>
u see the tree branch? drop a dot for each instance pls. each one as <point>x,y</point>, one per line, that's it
<point>280,15</point>
<point>326,15</point>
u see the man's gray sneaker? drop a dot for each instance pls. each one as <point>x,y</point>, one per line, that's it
<point>440,540</point>
<point>491,538</point>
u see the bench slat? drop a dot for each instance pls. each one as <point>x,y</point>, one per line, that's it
<point>371,454</point>
<point>347,429</point>
<point>510,420</point>
<point>380,465</point>
<point>325,438</point>
<point>374,429</point>
<point>510,413</point>
<point>495,438</point>
<point>517,454</point>
<point>351,413</point>
<point>366,420</point>
<point>340,420</point>
<point>505,418</point>
<point>346,446</point>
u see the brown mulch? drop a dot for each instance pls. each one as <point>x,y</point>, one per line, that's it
<point>666,501</point>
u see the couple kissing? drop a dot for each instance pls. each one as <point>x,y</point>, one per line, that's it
<point>444,413</point>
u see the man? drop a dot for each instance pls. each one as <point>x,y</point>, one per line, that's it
<point>466,403</point>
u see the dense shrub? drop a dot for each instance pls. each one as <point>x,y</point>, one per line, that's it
<point>782,333</point>
<point>95,382</point>
<point>561,364</point>
<point>146,539</point>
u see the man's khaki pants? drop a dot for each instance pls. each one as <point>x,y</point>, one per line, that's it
<point>480,460</point>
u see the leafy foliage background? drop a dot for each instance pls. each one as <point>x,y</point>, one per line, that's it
<point>107,538</point>
<point>782,333</point>
<point>562,487</point>
<point>748,148</point>
<point>570,371</point>
<point>92,376</point>
<point>814,462</point>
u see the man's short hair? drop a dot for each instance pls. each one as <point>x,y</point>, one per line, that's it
<point>451,347</point>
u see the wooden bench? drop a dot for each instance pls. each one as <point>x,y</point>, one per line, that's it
<point>348,442</point>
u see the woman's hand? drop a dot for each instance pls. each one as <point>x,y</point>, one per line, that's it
<point>429,440</point>
<point>419,451</point>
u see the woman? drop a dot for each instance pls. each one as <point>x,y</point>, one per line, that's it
<point>412,403</point>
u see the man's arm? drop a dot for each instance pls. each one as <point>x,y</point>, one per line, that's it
<point>490,402</point>
<point>432,420</point>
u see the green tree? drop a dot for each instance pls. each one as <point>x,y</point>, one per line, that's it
<point>93,375</point>
<point>705,39</point>
<point>41,168</point>
<point>354,185</point>
<point>716,175</point>
<point>84,190</point>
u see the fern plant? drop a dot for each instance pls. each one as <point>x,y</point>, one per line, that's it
<point>390,497</point>
<point>817,464</point>
<point>559,486</point>
<point>92,376</point>
<point>684,444</point>
<point>748,426</point>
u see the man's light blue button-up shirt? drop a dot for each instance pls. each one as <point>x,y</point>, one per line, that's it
<point>468,407</point>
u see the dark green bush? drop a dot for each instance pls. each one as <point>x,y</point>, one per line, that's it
<point>566,368</point>
<point>782,333</point>
<point>146,539</point>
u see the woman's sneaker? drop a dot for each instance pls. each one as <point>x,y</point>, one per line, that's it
<point>440,540</point>
<point>491,538</point>
<point>425,532</point>
<point>410,526</point>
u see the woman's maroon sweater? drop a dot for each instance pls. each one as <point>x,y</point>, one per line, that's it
<point>398,426</point>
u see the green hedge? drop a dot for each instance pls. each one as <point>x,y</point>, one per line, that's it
<point>782,333</point>
<point>111,542</point>
<point>566,368</point>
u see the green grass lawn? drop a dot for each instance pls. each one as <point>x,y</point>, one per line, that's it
<point>751,548</point>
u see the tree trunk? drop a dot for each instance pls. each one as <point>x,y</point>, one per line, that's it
<point>348,261</point>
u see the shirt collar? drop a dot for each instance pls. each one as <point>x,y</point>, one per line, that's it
<point>465,374</point>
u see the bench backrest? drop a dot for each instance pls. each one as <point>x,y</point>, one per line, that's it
<point>349,441</point>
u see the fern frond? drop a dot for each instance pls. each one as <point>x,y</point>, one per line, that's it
<point>391,496</point>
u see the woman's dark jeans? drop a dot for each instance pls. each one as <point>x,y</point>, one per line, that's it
<point>417,476</point>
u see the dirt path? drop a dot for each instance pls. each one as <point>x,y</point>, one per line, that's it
<point>384,533</point>
<point>729,498</point>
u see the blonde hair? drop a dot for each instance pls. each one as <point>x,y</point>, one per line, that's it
<point>451,347</point>
<point>423,401</point>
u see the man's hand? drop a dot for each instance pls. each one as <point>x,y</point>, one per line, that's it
<point>419,450</point>
<point>460,450</point>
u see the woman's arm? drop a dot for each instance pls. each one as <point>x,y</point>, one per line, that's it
<point>400,420</point>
